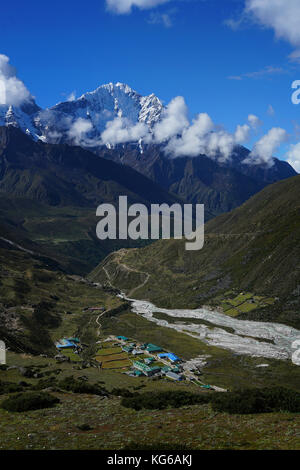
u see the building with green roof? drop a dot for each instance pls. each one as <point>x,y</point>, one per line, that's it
<point>74,340</point>
<point>153,348</point>
<point>147,370</point>
<point>138,373</point>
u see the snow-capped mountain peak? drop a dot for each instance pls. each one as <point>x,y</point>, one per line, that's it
<point>120,100</point>
<point>93,110</point>
<point>21,117</point>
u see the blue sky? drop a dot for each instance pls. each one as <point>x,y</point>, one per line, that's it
<point>223,60</point>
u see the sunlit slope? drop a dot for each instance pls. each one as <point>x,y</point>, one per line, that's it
<point>255,249</point>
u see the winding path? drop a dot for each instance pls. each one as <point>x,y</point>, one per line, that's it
<point>121,254</point>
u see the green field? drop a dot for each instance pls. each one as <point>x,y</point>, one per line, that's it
<point>111,357</point>
<point>71,354</point>
<point>116,364</point>
<point>108,351</point>
<point>234,305</point>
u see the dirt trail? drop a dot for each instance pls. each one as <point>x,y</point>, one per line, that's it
<point>98,323</point>
<point>118,258</point>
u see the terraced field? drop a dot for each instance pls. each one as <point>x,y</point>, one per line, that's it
<point>125,363</point>
<point>112,358</point>
<point>234,305</point>
<point>107,351</point>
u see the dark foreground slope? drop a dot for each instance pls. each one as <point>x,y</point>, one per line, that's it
<point>255,249</point>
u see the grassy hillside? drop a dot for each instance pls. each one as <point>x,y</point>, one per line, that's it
<point>82,421</point>
<point>254,249</point>
<point>67,234</point>
<point>39,303</point>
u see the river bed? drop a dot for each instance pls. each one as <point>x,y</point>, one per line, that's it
<point>256,339</point>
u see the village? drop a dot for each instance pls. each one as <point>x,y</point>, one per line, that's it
<point>136,359</point>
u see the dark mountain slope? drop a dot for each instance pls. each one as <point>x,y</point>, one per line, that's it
<point>49,193</point>
<point>221,187</point>
<point>65,175</point>
<point>278,171</point>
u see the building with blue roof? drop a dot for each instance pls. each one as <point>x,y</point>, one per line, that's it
<point>65,344</point>
<point>172,357</point>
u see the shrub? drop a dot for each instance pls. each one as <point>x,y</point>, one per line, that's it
<point>84,427</point>
<point>45,315</point>
<point>44,276</point>
<point>250,401</point>
<point>29,401</point>
<point>161,400</point>
<point>45,383</point>
<point>76,386</point>
<point>9,387</point>
<point>122,392</point>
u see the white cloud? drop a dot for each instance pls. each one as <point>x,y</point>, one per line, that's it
<point>178,135</point>
<point>122,7</point>
<point>264,149</point>
<point>254,121</point>
<point>220,145</point>
<point>293,156</point>
<point>71,96</point>
<point>12,89</point>
<point>79,129</point>
<point>270,110</point>
<point>242,133</point>
<point>120,130</point>
<point>203,137</point>
<point>267,71</point>
<point>192,140</point>
<point>161,18</point>
<point>295,56</point>
<point>234,23</point>
<point>174,120</point>
<point>281,15</point>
